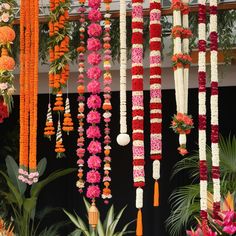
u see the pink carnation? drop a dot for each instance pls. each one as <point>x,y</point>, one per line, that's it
<point>94,3</point>
<point>93,132</point>
<point>94,30</point>
<point>107,89</point>
<point>93,177</point>
<point>94,162</point>
<point>94,87</point>
<point>94,58</point>
<point>94,147</point>
<point>94,44</point>
<point>93,191</point>
<point>94,15</point>
<point>94,102</point>
<point>94,73</point>
<point>93,117</point>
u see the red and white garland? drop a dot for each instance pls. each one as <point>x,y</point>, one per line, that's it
<point>123,138</point>
<point>202,110</point>
<point>138,107</point>
<point>155,93</point>
<point>214,108</point>
<point>107,80</point>
<point>182,123</point>
<point>81,99</point>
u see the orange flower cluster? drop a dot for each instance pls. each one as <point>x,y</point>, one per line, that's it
<point>68,124</point>
<point>29,43</point>
<point>181,60</point>
<point>7,35</point>
<point>49,129</point>
<point>59,47</point>
<point>4,230</point>
<point>58,105</point>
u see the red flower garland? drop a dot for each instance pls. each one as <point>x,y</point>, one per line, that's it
<point>3,111</point>
<point>155,93</point>
<point>138,107</point>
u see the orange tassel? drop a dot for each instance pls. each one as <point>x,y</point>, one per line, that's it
<point>139,227</point>
<point>93,215</point>
<point>156,194</point>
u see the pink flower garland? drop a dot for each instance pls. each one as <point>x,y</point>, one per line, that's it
<point>138,107</point>
<point>94,102</point>
<point>81,100</point>
<point>155,92</point>
<point>107,80</point>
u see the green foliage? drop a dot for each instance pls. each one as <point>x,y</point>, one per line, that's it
<point>23,202</point>
<point>185,201</point>
<point>107,228</point>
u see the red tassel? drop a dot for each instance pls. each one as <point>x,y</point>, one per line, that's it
<point>156,194</point>
<point>139,227</point>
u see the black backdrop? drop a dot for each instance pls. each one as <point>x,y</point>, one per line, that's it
<point>63,193</point>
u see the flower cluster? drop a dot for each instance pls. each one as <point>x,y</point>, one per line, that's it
<point>182,124</point>
<point>3,111</point>
<point>94,102</point>
<point>81,99</point>
<point>227,222</point>
<point>7,63</point>
<point>107,80</point>
<point>49,129</point>
<point>68,124</point>
<point>181,60</point>
<point>179,31</point>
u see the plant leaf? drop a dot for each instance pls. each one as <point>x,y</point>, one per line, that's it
<point>12,171</point>
<point>42,166</point>
<point>109,219</point>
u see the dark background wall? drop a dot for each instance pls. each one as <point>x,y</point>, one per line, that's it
<point>63,193</point>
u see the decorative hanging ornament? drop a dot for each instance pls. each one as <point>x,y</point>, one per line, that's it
<point>81,99</point>
<point>123,138</point>
<point>214,109</point>
<point>107,107</point>
<point>182,123</point>
<point>59,148</point>
<point>68,124</point>
<point>49,129</point>
<point>202,111</point>
<point>29,43</point>
<point>155,93</point>
<point>7,63</point>
<point>94,103</point>
<point>138,108</point>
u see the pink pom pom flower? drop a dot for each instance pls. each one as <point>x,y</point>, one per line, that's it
<point>94,73</point>
<point>94,58</point>
<point>94,102</point>
<point>94,44</point>
<point>94,30</point>
<point>94,147</point>
<point>94,162</point>
<point>93,191</point>
<point>93,177</point>
<point>94,87</point>
<point>93,117</point>
<point>94,3</point>
<point>94,15</point>
<point>93,132</point>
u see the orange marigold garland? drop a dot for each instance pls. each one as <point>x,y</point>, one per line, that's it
<point>49,129</point>
<point>7,63</point>
<point>29,41</point>
<point>68,125</point>
<point>80,184</point>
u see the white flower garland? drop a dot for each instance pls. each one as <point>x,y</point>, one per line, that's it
<point>123,138</point>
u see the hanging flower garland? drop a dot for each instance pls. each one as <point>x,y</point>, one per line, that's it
<point>214,109</point>
<point>94,103</point>
<point>3,111</point>
<point>202,110</point>
<point>7,63</point>
<point>138,107</point>
<point>155,93</point>
<point>107,107</point>
<point>59,31</point>
<point>29,41</point>
<point>49,129</point>
<point>182,123</point>
<point>81,99</point>
<point>123,138</point>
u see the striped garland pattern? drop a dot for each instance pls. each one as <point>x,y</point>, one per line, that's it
<point>202,110</point>
<point>138,107</point>
<point>214,108</point>
<point>155,93</point>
